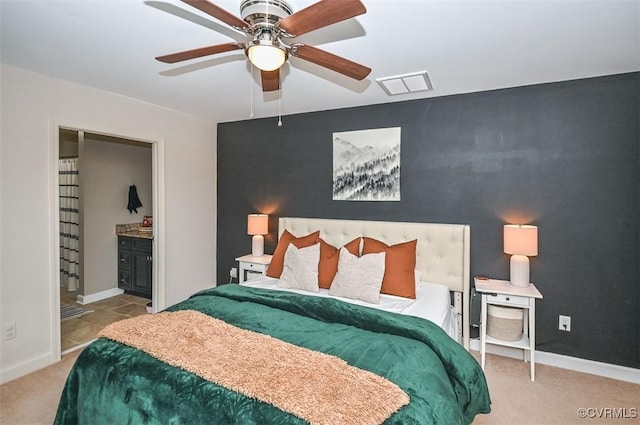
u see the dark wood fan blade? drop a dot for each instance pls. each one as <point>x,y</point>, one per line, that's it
<point>270,80</point>
<point>197,53</point>
<point>331,61</point>
<point>321,14</point>
<point>218,13</point>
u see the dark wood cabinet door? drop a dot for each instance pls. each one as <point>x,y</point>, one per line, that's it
<point>142,262</point>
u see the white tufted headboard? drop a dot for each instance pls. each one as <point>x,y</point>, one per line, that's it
<point>442,253</point>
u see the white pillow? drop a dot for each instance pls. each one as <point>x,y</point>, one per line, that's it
<point>300,269</point>
<point>359,277</point>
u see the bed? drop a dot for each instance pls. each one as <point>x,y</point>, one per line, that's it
<point>442,252</point>
<point>259,353</point>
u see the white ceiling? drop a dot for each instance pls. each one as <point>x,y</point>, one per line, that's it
<point>465,46</point>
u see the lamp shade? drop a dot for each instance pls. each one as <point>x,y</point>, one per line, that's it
<point>520,239</point>
<point>257,224</point>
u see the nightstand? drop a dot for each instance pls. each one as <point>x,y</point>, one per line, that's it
<point>502,293</point>
<point>253,265</point>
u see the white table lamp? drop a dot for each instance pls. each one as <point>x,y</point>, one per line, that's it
<point>521,241</point>
<point>257,225</point>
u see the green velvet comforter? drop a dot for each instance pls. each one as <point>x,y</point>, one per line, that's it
<point>115,384</point>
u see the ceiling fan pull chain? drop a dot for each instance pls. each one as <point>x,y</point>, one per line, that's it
<point>251,90</point>
<point>280,102</point>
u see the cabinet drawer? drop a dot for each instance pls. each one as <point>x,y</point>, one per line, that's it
<point>514,300</point>
<point>255,267</point>
<point>124,279</point>
<point>124,242</point>
<point>124,259</point>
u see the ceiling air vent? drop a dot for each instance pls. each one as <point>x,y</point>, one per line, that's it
<point>407,83</point>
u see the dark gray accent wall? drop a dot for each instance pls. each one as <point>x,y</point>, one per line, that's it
<point>563,156</point>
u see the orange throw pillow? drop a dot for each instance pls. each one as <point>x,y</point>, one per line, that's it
<point>277,261</point>
<point>400,262</point>
<point>329,255</point>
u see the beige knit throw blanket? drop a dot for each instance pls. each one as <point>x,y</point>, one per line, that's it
<point>317,387</point>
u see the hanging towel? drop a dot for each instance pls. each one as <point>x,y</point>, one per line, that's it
<point>134,201</point>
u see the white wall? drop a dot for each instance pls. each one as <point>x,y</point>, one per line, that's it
<point>30,103</point>
<point>107,169</point>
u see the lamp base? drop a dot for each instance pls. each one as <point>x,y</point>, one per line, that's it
<point>519,274</point>
<point>257,245</point>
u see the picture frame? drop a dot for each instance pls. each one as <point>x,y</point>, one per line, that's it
<point>366,165</point>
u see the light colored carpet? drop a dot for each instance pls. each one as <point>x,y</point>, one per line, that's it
<point>33,399</point>
<point>554,398</point>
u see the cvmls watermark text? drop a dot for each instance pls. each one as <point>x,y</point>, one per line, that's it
<point>608,412</point>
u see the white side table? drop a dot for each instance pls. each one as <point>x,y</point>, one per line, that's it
<point>501,292</point>
<point>249,263</point>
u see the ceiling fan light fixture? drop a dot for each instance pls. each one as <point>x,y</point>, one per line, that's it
<point>267,57</point>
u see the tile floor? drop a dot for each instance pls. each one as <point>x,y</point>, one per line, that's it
<point>83,329</point>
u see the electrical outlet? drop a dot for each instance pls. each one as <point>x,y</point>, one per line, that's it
<point>564,323</point>
<point>9,331</point>
<point>233,272</point>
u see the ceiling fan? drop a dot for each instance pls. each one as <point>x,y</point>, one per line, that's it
<point>268,23</point>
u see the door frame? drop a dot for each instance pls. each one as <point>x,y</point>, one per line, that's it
<point>158,297</point>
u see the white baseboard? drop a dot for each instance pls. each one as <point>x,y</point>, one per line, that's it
<point>607,370</point>
<point>99,296</point>
<point>27,367</point>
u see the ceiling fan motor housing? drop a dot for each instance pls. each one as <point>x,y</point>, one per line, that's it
<point>264,13</point>
<point>262,16</point>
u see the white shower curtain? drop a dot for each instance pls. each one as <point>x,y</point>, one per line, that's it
<point>69,224</point>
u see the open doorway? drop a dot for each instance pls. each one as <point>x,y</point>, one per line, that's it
<point>108,167</point>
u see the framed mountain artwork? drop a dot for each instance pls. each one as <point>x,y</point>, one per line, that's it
<point>366,165</point>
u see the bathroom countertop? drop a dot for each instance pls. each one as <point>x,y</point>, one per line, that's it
<point>132,230</point>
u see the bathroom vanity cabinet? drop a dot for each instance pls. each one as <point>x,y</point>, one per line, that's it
<point>135,265</point>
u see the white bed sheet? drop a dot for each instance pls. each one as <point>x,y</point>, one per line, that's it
<point>432,302</point>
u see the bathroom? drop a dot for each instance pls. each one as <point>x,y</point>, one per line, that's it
<point>107,167</point>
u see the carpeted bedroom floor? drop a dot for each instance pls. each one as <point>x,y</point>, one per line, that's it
<point>556,396</point>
